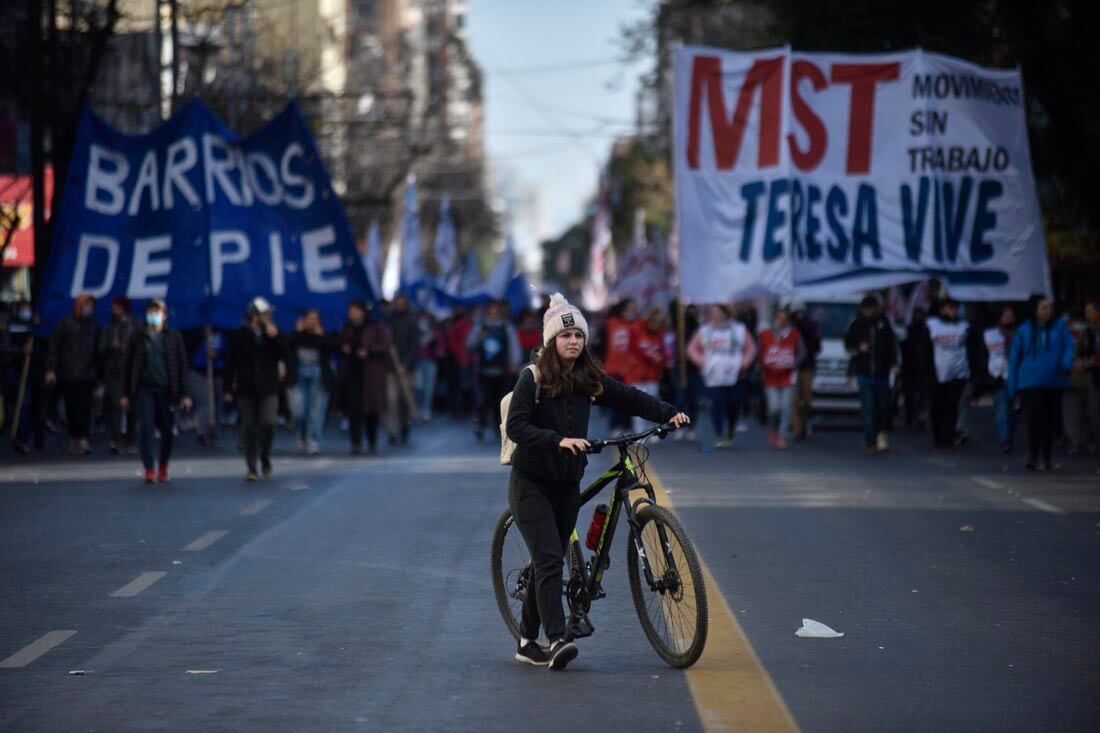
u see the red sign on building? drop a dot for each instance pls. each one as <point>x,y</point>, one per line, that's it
<point>17,198</point>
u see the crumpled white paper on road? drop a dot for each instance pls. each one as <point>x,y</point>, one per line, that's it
<point>816,630</point>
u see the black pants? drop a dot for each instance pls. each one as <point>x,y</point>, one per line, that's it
<point>352,405</point>
<point>945,411</point>
<point>78,407</point>
<point>546,517</point>
<point>154,411</point>
<point>1041,409</point>
<point>493,389</point>
<point>258,416</point>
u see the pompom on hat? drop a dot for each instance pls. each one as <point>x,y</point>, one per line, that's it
<point>560,316</point>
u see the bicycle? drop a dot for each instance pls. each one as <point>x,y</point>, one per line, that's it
<point>666,579</point>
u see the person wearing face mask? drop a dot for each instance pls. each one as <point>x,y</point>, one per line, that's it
<point>156,382</point>
<point>73,365</point>
<point>997,340</point>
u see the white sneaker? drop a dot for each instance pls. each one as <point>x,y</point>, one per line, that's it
<point>883,443</point>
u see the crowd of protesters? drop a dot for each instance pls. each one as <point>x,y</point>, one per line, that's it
<point>385,368</point>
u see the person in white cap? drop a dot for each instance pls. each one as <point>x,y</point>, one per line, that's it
<point>550,434</point>
<point>251,377</point>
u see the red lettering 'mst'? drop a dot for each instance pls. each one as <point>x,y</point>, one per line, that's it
<point>706,79</point>
<point>809,158</point>
<point>861,115</point>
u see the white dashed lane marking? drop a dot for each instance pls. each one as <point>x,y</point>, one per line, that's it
<point>206,540</point>
<point>138,584</point>
<point>35,649</point>
<point>255,507</point>
<point>1043,506</point>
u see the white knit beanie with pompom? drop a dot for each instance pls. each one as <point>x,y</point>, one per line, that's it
<point>560,316</point>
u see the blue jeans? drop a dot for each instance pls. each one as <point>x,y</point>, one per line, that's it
<point>1003,418</point>
<point>780,401</point>
<point>725,405</point>
<point>312,403</point>
<point>426,371</point>
<point>874,402</point>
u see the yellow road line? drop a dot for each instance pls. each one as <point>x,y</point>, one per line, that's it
<point>731,688</point>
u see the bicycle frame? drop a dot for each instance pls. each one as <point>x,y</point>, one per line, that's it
<point>626,481</point>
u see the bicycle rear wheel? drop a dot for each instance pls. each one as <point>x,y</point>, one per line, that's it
<point>673,608</point>
<point>511,570</point>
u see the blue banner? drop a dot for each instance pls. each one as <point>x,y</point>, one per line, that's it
<point>205,219</point>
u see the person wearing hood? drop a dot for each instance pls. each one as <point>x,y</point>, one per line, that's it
<point>1039,365</point>
<point>951,371</point>
<point>73,365</point>
<point>112,347</point>
<point>252,378</point>
<point>873,347</point>
<point>550,430</point>
<point>155,382</point>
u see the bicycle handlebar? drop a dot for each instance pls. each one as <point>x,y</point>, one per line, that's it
<point>659,430</point>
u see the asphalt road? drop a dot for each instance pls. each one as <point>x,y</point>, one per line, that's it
<point>354,594</point>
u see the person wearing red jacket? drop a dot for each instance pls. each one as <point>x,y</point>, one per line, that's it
<point>620,319</point>
<point>645,357</point>
<point>781,350</point>
<point>460,362</point>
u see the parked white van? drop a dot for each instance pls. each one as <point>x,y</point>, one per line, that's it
<point>832,391</point>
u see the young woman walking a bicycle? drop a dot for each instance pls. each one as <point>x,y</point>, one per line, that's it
<point>549,426</point>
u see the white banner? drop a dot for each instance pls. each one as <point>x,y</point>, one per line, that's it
<point>832,173</point>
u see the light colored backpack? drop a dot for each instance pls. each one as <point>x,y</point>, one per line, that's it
<point>507,447</point>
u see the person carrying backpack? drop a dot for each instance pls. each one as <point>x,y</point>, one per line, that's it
<point>550,434</point>
<point>497,356</point>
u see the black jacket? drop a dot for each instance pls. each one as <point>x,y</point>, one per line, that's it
<point>175,360</point>
<point>882,356</point>
<point>537,429</point>
<point>74,350</point>
<point>251,365</point>
<point>325,345</point>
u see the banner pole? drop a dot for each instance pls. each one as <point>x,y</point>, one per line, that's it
<point>403,380</point>
<point>212,422</point>
<point>681,347</point>
<point>22,388</point>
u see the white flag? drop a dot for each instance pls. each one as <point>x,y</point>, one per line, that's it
<point>372,260</point>
<point>594,291</point>
<point>412,257</point>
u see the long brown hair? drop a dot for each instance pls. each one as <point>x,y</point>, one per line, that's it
<point>584,377</point>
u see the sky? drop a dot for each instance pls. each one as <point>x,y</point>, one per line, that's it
<point>554,96</point>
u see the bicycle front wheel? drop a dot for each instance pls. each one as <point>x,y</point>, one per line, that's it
<point>511,570</point>
<point>673,605</point>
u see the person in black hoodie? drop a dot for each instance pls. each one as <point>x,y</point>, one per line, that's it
<point>550,434</point>
<point>874,348</point>
<point>251,377</point>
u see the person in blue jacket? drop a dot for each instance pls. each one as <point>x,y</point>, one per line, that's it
<point>1038,370</point>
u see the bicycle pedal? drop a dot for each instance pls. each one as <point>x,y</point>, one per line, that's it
<point>581,629</point>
